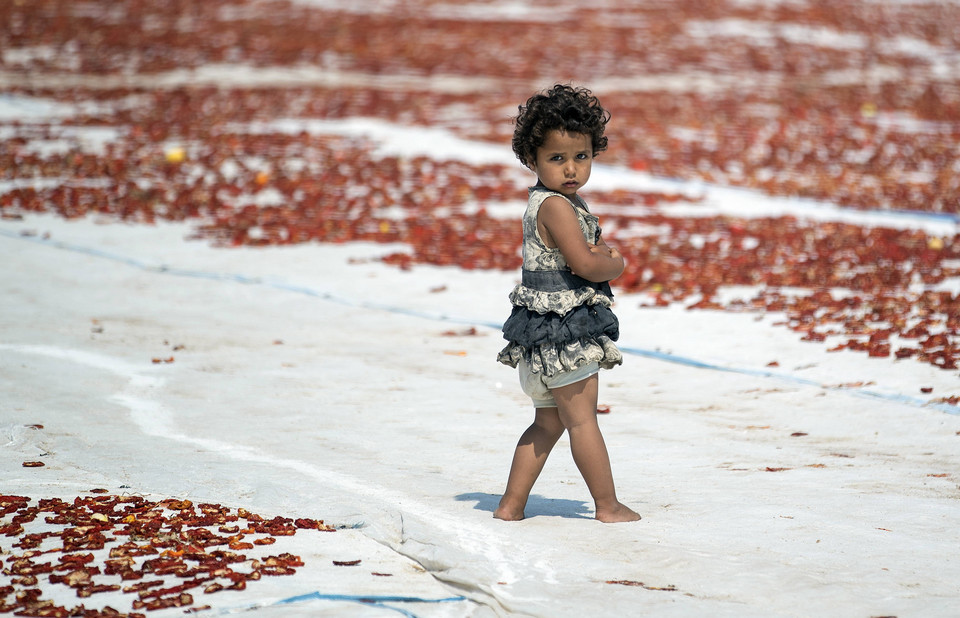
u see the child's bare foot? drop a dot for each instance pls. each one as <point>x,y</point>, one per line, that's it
<point>619,513</point>
<point>506,513</point>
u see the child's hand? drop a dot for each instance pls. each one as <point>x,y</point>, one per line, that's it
<point>604,249</point>
<point>594,262</point>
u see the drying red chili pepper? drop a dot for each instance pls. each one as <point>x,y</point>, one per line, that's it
<point>170,556</point>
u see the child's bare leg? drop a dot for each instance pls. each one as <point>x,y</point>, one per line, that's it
<point>577,408</point>
<point>532,450</point>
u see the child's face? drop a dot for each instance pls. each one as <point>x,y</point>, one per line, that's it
<point>564,161</point>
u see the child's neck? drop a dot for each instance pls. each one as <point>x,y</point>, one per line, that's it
<point>540,185</point>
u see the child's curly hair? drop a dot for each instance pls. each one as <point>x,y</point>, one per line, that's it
<point>563,108</point>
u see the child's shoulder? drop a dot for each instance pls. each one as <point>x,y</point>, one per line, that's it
<point>539,196</point>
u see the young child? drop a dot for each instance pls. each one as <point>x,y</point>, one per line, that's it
<point>561,330</point>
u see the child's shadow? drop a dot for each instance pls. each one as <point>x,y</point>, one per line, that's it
<point>536,505</point>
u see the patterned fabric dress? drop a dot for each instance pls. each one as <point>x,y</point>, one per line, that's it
<point>559,321</point>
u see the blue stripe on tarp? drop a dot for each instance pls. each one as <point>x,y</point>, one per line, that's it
<point>299,289</point>
<point>369,600</point>
<point>762,373</point>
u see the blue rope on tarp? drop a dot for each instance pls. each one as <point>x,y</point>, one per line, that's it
<point>370,600</point>
<point>858,391</point>
<point>299,289</point>
<point>367,600</point>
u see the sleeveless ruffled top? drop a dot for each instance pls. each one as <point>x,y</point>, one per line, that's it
<point>560,321</point>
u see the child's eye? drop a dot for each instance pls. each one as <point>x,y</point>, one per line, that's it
<point>583,156</point>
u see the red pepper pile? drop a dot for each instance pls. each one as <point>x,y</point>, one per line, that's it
<point>162,552</point>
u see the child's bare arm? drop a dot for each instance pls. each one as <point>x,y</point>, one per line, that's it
<point>592,262</point>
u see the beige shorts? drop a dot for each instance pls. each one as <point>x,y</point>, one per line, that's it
<point>537,386</point>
